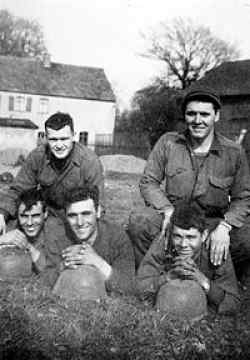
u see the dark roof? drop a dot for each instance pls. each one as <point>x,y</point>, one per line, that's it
<point>230,78</point>
<point>17,123</point>
<point>30,76</point>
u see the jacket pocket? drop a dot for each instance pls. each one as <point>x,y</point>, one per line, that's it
<point>178,183</point>
<point>222,183</point>
<point>219,191</point>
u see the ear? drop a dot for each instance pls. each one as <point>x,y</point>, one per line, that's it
<point>204,235</point>
<point>98,212</point>
<point>217,116</point>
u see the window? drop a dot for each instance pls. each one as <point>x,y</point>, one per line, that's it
<point>43,106</point>
<point>20,103</point>
<point>29,104</point>
<point>41,138</point>
<point>83,137</point>
<point>11,103</point>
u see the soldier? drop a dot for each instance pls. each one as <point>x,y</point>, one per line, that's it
<point>93,242</point>
<point>56,167</point>
<point>33,228</point>
<point>182,255</point>
<point>201,166</point>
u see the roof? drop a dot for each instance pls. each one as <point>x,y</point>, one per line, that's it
<point>28,75</point>
<point>17,123</point>
<point>229,78</point>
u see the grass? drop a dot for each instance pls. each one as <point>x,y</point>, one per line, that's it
<point>34,324</point>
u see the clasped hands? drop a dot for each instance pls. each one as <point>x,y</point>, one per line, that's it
<point>80,254</point>
<point>186,269</point>
<point>84,254</point>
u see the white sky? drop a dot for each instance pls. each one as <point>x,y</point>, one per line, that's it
<point>106,33</point>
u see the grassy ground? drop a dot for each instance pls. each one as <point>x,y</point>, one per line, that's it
<point>34,324</point>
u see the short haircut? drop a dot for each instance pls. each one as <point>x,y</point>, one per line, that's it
<point>188,215</point>
<point>30,198</point>
<point>80,194</point>
<point>58,120</point>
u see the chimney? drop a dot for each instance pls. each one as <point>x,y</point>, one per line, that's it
<point>46,60</point>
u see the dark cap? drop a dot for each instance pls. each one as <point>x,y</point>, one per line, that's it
<point>206,95</point>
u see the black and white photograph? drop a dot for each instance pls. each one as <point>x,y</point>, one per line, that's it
<point>124,180</point>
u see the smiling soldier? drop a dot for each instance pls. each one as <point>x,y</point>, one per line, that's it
<point>174,265</point>
<point>201,166</point>
<point>29,232</point>
<point>56,167</point>
<point>91,242</point>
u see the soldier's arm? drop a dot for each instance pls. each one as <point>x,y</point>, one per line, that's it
<point>153,176</point>
<point>151,273</point>
<point>26,179</point>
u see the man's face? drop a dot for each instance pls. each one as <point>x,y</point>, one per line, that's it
<point>60,141</point>
<point>31,221</point>
<point>200,118</point>
<point>82,217</point>
<point>187,243</point>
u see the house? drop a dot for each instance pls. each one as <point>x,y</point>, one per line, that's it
<point>32,90</point>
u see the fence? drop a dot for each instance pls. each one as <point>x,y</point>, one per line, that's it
<point>139,151</point>
<point>121,142</point>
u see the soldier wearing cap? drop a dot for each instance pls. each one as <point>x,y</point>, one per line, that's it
<point>201,166</point>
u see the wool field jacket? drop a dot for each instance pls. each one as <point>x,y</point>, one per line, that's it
<point>82,167</point>
<point>220,186</point>
<point>223,294</point>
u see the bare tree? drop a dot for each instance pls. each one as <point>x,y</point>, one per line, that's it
<point>188,50</point>
<point>20,37</point>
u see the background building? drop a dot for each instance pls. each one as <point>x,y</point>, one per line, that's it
<point>31,90</point>
<point>231,80</point>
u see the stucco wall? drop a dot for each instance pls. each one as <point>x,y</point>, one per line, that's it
<point>89,115</point>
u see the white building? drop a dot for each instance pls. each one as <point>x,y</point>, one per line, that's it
<point>32,91</point>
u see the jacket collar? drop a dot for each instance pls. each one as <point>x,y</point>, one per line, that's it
<point>216,146</point>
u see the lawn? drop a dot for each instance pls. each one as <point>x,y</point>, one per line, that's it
<point>34,324</point>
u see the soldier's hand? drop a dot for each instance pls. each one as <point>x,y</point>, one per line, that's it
<point>71,256</point>
<point>183,267</point>
<point>219,244</point>
<point>166,220</point>
<point>2,224</point>
<point>71,250</point>
<point>15,237</point>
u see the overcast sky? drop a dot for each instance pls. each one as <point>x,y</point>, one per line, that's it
<point>106,33</point>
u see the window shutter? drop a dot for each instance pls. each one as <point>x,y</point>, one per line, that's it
<point>11,103</point>
<point>28,104</point>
